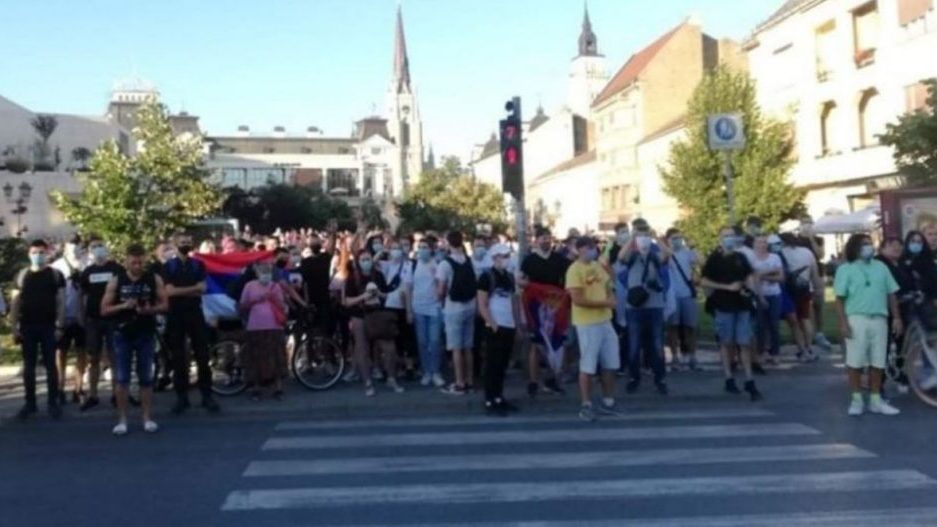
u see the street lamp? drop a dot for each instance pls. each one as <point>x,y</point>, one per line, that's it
<point>24,193</point>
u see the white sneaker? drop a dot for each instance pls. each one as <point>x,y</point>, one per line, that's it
<point>438,381</point>
<point>856,407</point>
<point>150,427</point>
<point>902,389</point>
<point>351,376</point>
<point>929,383</point>
<point>392,384</point>
<point>120,429</point>
<point>426,380</point>
<point>882,407</point>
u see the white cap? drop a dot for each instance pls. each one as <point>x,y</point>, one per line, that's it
<point>500,249</point>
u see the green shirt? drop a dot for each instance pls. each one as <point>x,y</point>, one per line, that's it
<point>864,287</point>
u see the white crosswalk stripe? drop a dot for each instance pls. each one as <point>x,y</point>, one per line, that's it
<point>361,467</point>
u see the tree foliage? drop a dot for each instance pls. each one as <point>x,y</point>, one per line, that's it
<point>446,198</point>
<point>293,207</point>
<point>914,138</point>
<point>145,198</point>
<point>694,176</point>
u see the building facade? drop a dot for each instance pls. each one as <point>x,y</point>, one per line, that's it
<point>839,71</point>
<point>639,114</point>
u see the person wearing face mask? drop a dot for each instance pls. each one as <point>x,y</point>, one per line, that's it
<point>728,274</point>
<point>542,266</point>
<point>808,239</point>
<point>646,260</point>
<point>801,275</point>
<point>917,262</point>
<point>37,313</point>
<point>363,296</point>
<point>592,294</point>
<point>500,311</point>
<point>264,355</point>
<point>892,253</point>
<point>865,298</point>
<point>788,311</point>
<point>185,284</point>
<point>481,262</point>
<point>457,289</point>
<point>70,265</point>
<point>98,328</point>
<point>682,325</point>
<point>426,309</point>
<point>398,271</point>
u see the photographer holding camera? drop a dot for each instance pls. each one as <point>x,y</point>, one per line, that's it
<point>646,260</point>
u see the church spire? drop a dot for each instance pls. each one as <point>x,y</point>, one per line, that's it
<point>401,61</point>
<point>588,42</point>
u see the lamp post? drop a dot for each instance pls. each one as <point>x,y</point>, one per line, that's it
<point>19,202</point>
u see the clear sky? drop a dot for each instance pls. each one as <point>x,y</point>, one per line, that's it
<point>326,63</point>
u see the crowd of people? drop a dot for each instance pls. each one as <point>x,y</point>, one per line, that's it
<point>396,304</point>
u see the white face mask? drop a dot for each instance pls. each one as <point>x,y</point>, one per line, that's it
<point>643,243</point>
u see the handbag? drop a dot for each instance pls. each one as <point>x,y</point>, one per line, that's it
<point>381,325</point>
<point>639,295</point>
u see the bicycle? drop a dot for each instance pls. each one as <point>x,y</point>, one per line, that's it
<point>917,358</point>
<point>316,360</point>
<point>224,359</point>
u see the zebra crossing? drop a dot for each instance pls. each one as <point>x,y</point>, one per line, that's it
<point>717,466</point>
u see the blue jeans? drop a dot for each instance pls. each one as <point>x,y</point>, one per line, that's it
<point>646,335</point>
<point>769,319</point>
<point>429,341</point>
<point>125,348</point>
<point>36,336</point>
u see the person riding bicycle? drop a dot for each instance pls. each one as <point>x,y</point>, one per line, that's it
<point>918,261</point>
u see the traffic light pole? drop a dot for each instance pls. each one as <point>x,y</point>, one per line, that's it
<point>512,167</point>
<point>520,217</point>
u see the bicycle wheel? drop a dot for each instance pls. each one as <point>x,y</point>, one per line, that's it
<point>226,369</point>
<point>318,363</point>
<point>921,367</point>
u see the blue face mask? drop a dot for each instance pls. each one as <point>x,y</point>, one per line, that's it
<point>677,243</point>
<point>365,266</point>
<point>915,247</point>
<point>396,254</point>
<point>591,254</point>
<point>727,243</point>
<point>37,260</point>
<point>867,252</point>
<point>479,252</point>
<point>775,248</point>
<point>424,255</point>
<point>377,248</point>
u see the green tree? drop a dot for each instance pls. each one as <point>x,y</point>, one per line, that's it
<point>145,198</point>
<point>45,126</point>
<point>447,198</point>
<point>694,176</point>
<point>292,207</point>
<point>914,138</point>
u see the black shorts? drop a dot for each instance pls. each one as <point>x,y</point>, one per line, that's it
<point>99,336</point>
<point>74,335</point>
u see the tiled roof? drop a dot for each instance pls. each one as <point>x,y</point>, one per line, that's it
<point>786,9</point>
<point>579,160</point>
<point>629,73</point>
<point>672,126</point>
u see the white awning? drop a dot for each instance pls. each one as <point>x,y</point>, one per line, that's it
<point>865,220</point>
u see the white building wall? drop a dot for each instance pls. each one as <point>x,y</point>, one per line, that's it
<point>577,192</point>
<point>549,145</point>
<point>785,67</point>
<point>659,209</point>
<point>488,170</point>
<point>42,218</point>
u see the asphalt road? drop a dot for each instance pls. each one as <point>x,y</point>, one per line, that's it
<point>697,457</point>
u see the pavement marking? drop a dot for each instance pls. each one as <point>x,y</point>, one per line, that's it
<point>605,459</point>
<point>449,493</point>
<point>847,518</point>
<point>543,436</point>
<point>705,413</point>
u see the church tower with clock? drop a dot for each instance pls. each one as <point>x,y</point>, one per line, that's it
<point>588,74</point>
<point>404,124</point>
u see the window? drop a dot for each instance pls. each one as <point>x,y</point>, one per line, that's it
<point>826,50</point>
<point>306,150</point>
<point>827,127</point>
<point>915,97</point>
<point>871,122</point>
<point>865,24</point>
<point>342,181</point>
<point>606,199</point>
<point>912,10</point>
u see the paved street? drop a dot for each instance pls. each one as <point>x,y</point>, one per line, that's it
<point>695,458</point>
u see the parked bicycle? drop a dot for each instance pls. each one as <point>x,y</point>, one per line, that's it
<point>915,362</point>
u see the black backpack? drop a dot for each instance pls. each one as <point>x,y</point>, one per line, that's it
<point>464,284</point>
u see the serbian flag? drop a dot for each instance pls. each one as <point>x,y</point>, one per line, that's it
<point>221,270</point>
<point>548,314</point>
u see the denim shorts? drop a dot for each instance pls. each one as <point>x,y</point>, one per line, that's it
<point>143,347</point>
<point>686,314</point>
<point>734,328</point>
<point>460,330</point>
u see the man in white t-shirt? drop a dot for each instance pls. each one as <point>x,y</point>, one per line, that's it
<point>457,289</point>
<point>683,323</point>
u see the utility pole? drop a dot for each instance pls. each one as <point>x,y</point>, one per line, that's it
<point>512,167</point>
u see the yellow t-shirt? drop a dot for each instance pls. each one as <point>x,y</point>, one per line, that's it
<point>596,285</point>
